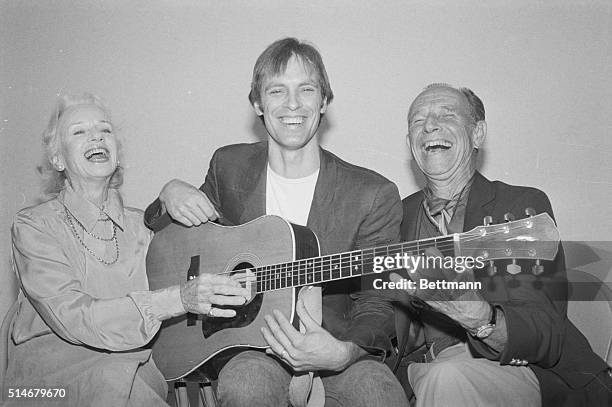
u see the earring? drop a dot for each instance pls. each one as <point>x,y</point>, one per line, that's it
<point>60,167</point>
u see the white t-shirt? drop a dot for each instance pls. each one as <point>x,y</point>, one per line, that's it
<point>290,198</point>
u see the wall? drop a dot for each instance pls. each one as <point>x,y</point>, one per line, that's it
<point>176,75</point>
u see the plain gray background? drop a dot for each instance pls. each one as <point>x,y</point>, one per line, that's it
<point>176,75</point>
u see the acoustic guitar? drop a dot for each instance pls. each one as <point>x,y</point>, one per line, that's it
<point>281,257</point>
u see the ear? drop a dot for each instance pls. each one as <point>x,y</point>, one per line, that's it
<point>324,105</point>
<point>257,109</point>
<point>479,134</point>
<point>57,163</point>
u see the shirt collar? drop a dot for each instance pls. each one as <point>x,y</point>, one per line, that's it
<point>87,213</point>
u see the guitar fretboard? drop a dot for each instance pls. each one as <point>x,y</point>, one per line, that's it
<point>339,266</point>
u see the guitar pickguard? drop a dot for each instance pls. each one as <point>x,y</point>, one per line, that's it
<point>244,316</point>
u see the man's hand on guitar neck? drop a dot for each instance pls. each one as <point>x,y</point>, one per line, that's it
<point>186,204</point>
<point>201,294</point>
<point>466,306</point>
<point>316,349</point>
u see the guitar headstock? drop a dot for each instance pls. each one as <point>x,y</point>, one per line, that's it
<point>535,237</point>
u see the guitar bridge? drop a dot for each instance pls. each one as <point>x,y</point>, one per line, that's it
<point>193,272</point>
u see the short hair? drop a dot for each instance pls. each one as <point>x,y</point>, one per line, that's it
<point>54,180</point>
<point>477,110</point>
<point>273,61</point>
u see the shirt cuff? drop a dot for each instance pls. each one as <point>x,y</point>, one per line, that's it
<point>166,303</point>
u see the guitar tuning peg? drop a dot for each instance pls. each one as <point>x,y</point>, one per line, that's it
<point>492,269</point>
<point>537,268</point>
<point>530,212</point>
<point>513,268</point>
<point>508,217</point>
<point>487,220</point>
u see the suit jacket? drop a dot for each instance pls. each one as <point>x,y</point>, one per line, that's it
<point>352,208</point>
<point>534,307</point>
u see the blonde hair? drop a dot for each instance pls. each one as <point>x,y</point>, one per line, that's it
<point>54,180</point>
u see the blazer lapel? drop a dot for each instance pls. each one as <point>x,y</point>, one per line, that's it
<point>253,196</point>
<point>481,202</point>
<point>321,216</point>
<point>412,216</point>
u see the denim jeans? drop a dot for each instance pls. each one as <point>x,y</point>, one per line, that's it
<point>254,379</point>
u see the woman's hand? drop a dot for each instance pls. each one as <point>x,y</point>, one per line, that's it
<point>201,294</point>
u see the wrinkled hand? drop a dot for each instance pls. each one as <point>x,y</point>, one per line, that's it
<point>201,294</point>
<point>187,204</point>
<point>467,307</point>
<point>316,349</point>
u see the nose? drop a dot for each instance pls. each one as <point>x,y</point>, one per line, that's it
<point>95,134</point>
<point>431,124</point>
<point>293,100</point>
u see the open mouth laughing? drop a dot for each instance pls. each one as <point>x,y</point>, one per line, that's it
<point>97,154</point>
<point>435,146</point>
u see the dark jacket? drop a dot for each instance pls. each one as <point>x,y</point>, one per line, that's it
<point>539,331</point>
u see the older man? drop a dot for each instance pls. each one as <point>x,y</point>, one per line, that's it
<point>347,207</point>
<point>511,342</point>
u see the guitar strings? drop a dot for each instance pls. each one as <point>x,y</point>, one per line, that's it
<point>273,276</point>
<point>446,243</point>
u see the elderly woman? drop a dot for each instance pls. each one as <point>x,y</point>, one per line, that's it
<point>85,309</point>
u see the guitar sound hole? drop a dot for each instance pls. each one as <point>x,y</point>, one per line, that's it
<point>245,314</point>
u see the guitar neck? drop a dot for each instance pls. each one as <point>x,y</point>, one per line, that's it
<point>339,266</point>
<point>535,237</point>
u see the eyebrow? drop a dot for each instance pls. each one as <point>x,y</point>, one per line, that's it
<point>274,84</point>
<point>79,123</point>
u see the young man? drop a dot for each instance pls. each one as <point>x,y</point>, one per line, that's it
<point>348,207</point>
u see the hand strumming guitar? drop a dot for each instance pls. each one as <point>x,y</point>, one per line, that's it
<point>316,349</point>
<point>201,294</point>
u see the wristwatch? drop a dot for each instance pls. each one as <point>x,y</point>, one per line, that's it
<point>484,331</point>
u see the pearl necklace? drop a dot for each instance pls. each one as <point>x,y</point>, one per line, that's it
<point>113,238</point>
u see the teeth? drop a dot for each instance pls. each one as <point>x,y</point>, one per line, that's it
<point>292,120</point>
<point>437,143</point>
<point>93,151</point>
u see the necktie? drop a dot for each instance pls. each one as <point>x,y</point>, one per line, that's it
<point>440,211</point>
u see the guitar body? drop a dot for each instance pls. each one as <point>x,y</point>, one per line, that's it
<point>176,252</point>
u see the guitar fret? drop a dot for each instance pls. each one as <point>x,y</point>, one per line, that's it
<point>334,269</point>
<point>356,268</point>
<point>276,277</point>
<point>300,272</point>
<point>326,271</point>
<point>287,274</point>
<point>309,271</point>
<point>367,261</point>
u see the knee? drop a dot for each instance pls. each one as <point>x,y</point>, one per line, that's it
<point>446,377</point>
<point>370,382</point>
<point>253,379</point>
<point>370,374</point>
